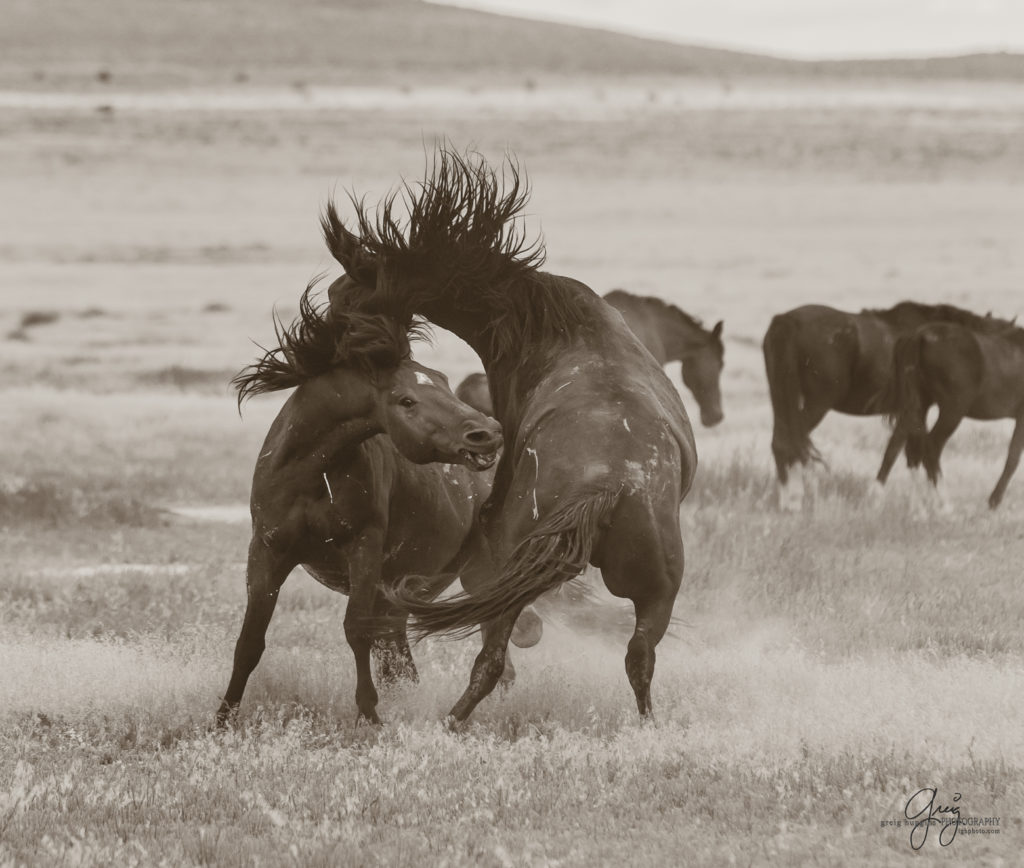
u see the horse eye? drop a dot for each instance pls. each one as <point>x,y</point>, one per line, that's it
<point>407,402</point>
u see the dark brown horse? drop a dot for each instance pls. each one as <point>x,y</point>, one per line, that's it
<point>598,448</point>
<point>355,509</point>
<point>670,335</point>
<point>818,359</point>
<point>971,369</point>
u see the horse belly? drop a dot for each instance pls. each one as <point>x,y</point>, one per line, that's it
<point>330,576</point>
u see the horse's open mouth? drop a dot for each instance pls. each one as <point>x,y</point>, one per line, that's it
<point>476,461</point>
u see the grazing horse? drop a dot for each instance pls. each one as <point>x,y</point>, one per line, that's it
<point>670,335</point>
<point>599,451</point>
<point>818,359</point>
<point>974,369</point>
<point>357,510</point>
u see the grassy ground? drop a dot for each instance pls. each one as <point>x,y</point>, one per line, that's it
<point>823,667</point>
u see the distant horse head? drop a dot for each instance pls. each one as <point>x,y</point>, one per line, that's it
<point>358,366</point>
<point>702,372</point>
<point>672,335</point>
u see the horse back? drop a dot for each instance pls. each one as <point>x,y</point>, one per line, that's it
<point>605,415</point>
<point>833,359</point>
<point>980,374</point>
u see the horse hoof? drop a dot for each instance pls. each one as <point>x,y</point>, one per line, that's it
<point>367,719</point>
<point>528,629</point>
<point>453,724</point>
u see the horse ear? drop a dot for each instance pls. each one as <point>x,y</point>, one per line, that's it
<point>347,248</point>
<point>716,332</point>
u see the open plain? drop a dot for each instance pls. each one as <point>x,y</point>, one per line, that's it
<point>824,667</point>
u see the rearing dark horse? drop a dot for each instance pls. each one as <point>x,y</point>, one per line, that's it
<point>351,507</point>
<point>818,359</point>
<point>598,448</point>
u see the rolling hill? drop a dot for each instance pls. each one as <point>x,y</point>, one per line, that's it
<point>62,44</point>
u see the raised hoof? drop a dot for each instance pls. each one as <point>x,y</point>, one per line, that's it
<point>993,502</point>
<point>528,629</point>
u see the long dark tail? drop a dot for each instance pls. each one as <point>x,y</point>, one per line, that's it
<point>791,442</point>
<point>906,396</point>
<point>557,551</point>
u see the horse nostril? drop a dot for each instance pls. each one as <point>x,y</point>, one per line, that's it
<point>478,437</point>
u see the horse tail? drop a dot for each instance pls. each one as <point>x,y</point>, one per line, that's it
<point>791,442</point>
<point>558,550</point>
<point>905,395</point>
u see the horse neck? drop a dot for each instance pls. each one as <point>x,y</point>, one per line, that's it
<point>680,337</point>
<point>333,413</point>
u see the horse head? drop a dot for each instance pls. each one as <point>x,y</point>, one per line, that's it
<point>702,372</point>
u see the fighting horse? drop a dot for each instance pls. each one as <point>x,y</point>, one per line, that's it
<point>599,451</point>
<point>818,359</point>
<point>358,510</point>
<point>670,335</point>
<point>973,368</point>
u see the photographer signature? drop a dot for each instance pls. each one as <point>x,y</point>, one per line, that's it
<point>926,812</point>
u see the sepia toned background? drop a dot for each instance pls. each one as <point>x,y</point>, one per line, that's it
<point>162,170</point>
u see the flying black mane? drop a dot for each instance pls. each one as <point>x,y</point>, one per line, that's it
<point>319,341</point>
<point>909,314</point>
<point>456,240</point>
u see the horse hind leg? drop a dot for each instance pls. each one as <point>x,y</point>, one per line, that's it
<point>266,572</point>
<point>1012,460</point>
<point>643,561</point>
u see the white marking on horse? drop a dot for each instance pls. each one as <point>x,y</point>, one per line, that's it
<point>423,379</point>
<point>559,389</point>
<point>330,493</point>
<point>268,452</point>
<point>536,458</point>
<point>625,424</point>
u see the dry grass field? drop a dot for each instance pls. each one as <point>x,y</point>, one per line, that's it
<point>824,667</point>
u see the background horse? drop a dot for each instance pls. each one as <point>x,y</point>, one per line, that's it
<point>599,452</point>
<point>475,392</point>
<point>670,335</point>
<point>818,359</point>
<point>346,504</point>
<point>973,369</point>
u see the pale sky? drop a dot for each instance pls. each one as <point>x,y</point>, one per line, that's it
<point>796,28</point>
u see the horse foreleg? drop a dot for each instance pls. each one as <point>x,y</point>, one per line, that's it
<point>265,573</point>
<point>1012,460</point>
<point>948,421</point>
<point>361,619</point>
